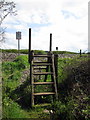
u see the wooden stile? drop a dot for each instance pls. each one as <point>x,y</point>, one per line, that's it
<point>36,68</point>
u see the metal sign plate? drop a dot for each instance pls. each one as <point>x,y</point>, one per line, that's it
<point>18,35</point>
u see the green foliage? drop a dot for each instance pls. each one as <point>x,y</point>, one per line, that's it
<point>12,109</point>
<point>74,87</point>
<point>62,63</point>
<point>63,52</point>
<point>23,51</point>
<point>22,62</point>
<point>62,110</point>
<point>73,90</point>
<point>10,50</point>
<point>39,52</point>
<point>11,75</point>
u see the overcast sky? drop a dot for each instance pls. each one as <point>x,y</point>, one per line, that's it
<point>67,20</point>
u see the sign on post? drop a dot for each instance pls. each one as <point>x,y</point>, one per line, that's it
<point>18,37</point>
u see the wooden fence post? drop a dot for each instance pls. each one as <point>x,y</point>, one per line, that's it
<point>29,52</point>
<point>50,42</point>
<point>56,67</point>
<point>80,53</point>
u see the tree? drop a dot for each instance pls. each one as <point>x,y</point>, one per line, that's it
<point>6,8</point>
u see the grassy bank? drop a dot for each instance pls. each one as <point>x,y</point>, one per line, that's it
<point>25,51</point>
<point>73,91</point>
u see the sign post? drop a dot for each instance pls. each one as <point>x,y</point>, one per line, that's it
<point>18,37</point>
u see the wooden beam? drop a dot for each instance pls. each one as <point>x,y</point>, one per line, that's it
<point>44,93</point>
<point>29,51</point>
<point>56,67</point>
<point>50,49</point>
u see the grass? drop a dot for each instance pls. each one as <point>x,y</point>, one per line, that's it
<point>25,51</point>
<point>11,75</point>
<point>73,89</point>
<point>12,90</point>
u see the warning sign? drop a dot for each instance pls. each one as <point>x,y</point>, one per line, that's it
<point>18,35</point>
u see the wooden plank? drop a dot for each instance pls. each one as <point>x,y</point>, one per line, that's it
<point>41,56</point>
<point>41,64</point>
<point>43,73</point>
<point>39,68</point>
<point>43,83</point>
<point>44,93</point>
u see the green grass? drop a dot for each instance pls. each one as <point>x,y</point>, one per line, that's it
<point>11,76</point>
<point>25,51</point>
<point>64,52</point>
<point>73,89</point>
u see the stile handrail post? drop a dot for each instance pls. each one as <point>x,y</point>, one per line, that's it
<point>29,52</point>
<point>50,42</point>
<point>56,67</point>
<point>80,53</point>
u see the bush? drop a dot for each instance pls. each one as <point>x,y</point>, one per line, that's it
<point>75,85</point>
<point>62,111</point>
<point>22,62</point>
<point>39,52</point>
<point>12,109</point>
<point>63,52</point>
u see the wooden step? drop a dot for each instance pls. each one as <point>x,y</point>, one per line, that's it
<point>43,73</point>
<point>44,93</point>
<point>43,83</point>
<point>42,56</point>
<point>40,68</point>
<point>41,64</point>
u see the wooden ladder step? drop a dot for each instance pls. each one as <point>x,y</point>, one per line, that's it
<point>43,73</point>
<point>43,83</point>
<point>44,93</point>
<point>38,62</point>
<point>41,64</point>
<point>40,68</point>
<point>41,55</point>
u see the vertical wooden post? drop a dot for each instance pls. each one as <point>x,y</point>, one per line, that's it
<point>56,67</point>
<point>54,76</point>
<point>80,53</point>
<point>29,57</point>
<point>31,79</point>
<point>50,42</point>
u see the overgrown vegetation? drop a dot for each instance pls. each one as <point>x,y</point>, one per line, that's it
<point>73,91</point>
<point>25,51</point>
<point>11,75</point>
<point>16,97</point>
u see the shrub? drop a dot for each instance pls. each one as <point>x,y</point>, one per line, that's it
<point>75,85</point>
<point>62,111</point>
<point>22,61</point>
<point>12,109</point>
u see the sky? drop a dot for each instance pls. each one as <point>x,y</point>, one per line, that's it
<point>67,20</point>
